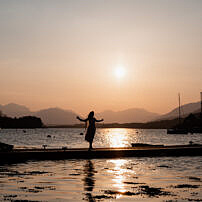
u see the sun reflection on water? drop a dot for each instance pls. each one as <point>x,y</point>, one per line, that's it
<point>119,172</point>
<point>118,137</point>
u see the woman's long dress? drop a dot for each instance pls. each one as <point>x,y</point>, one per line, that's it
<point>90,133</point>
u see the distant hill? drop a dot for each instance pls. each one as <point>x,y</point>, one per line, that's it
<point>57,116</point>
<point>15,110</point>
<point>185,110</point>
<point>128,116</point>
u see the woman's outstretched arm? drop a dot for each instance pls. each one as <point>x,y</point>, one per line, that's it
<point>84,120</point>
<point>99,120</point>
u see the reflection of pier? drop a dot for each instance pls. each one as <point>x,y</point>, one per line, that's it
<point>57,154</point>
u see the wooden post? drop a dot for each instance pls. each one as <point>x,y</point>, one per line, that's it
<point>201,103</point>
<point>179,109</point>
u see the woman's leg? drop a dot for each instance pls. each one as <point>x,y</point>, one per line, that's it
<point>90,145</point>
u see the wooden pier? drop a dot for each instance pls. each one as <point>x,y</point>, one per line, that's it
<point>21,155</point>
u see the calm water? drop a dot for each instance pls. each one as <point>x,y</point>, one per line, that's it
<point>71,138</point>
<point>125,179</point>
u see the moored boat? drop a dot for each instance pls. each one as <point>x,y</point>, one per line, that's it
<point>177,131</point>
<point>5,147</point>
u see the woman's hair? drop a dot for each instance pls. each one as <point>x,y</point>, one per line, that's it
<point>91,114</point>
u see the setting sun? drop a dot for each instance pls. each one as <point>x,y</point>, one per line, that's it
<point>120,72</point>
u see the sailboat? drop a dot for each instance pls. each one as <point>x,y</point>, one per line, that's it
<point>177,129</point>
<point>198,129</point>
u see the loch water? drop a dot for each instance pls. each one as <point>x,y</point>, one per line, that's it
<point>121,179</point>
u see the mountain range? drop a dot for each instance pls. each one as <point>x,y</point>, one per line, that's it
<point>58,116</point>
<point>50,116</point>
<point>128,116</point>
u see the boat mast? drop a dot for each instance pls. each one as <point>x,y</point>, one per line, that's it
<point>179,108</point>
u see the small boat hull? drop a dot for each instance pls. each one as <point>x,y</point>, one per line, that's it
<point>5,147</point>
<point>177,131</point>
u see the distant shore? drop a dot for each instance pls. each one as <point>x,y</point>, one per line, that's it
<point>189,122</point>
<point>163,124</point>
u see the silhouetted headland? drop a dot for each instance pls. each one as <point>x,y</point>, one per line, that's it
<point>22,122</point>
<point>190,124</point>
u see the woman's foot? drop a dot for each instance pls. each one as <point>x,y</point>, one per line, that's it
<point>90,146</point>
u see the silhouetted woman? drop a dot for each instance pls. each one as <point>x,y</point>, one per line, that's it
<point>90,121</point>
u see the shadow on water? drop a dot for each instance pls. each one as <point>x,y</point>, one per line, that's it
<point>89,180</point>
<point>89,183</point>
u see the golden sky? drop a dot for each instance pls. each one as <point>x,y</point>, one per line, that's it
<point>66,54</point>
